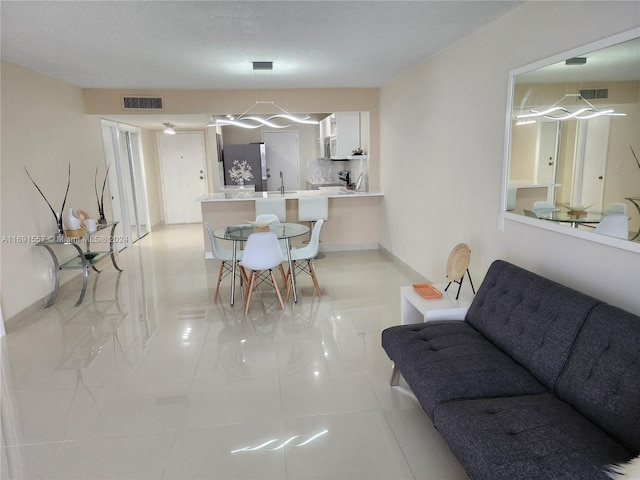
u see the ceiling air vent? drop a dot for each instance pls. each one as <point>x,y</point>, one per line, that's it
<point>595,93</point>
<point>142,103</point>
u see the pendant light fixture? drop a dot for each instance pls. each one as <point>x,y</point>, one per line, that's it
<point>279,120</point>
<point>559,113</point>
<point>556,112</point>
<point>283,119</point>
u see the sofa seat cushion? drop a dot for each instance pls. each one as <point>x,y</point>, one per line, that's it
<point>529,437</point>
<point>602,377</point>
<point>449,360</point>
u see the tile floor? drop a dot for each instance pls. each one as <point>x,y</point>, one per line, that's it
<point>149,379</point>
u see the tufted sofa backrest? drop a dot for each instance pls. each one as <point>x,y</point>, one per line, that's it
<point>602,377</point>
<point>531,318</point>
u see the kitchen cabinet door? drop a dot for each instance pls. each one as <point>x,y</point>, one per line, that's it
<point>345,136</point>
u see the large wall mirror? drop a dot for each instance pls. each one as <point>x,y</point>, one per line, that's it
<point>573,142</point>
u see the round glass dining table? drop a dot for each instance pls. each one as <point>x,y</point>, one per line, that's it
<point>565,217</point>
<point>240,233</point>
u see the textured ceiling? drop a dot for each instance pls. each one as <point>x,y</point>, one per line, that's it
<point>211,44</point>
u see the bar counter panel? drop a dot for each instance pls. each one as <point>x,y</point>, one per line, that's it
<point>353,224</point>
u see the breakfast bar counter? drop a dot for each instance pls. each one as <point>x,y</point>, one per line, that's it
<point>353,222</point>
<point>242,195</point>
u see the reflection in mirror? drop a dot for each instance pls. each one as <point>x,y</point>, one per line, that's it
<point>575,137</point>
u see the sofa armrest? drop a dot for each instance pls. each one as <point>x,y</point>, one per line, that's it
<point>447,314</point>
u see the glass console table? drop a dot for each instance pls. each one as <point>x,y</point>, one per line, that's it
<point>84,259</point>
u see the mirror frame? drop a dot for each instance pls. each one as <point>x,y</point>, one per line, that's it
<point>538,223</point>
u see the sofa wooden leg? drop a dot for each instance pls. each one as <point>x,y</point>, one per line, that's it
<point>395,376</point>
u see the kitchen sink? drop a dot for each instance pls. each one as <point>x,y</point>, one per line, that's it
<point>278,192</point>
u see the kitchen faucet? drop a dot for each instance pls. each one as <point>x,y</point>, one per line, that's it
<point>281,183</point>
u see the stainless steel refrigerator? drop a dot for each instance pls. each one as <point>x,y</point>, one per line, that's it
<point>245,164</point>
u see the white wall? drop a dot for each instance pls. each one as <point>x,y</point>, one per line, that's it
<point>442,130</point>
<point>44,128</point>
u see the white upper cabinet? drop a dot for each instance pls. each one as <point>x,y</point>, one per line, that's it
<point>345,134</point>
<point>325,127</point>
<point>343,130</point>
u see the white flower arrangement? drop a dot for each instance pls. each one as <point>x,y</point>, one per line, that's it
<point>240,172</point>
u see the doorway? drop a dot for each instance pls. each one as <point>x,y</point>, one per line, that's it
<point>592,146</point>
<point>126,179</point>
<point>548,150</point>
<point>182,166</point>
<point>133,180</point>
<point>283,155</point>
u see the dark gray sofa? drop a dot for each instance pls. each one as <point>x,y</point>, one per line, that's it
<point>538,382</point>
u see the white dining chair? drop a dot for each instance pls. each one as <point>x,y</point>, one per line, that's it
<point>614,225</point>
<point>543,206</point>
<point>274,205</point>
<point>312,209</point>
<point>302,258</point>
<point>267,217</point>
<point>274,220</point>
<point>530,213</point>
<point>261,255</point>
<point>225,257</point>
<point>616,208</point>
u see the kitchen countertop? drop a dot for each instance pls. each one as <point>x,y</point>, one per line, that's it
<point>331,192</point>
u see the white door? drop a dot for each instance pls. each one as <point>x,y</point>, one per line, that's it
<point>547,156</point>
<point>182,167</point>
<point>283,155</point>
<point>592,145</point>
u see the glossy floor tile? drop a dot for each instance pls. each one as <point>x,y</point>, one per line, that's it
<point>150,379</point>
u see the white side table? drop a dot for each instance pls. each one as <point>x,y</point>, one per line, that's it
<point>415,309</point>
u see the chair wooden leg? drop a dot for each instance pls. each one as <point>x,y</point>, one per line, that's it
<point>244,280</point>
<point>251,285</point>
<point>313,277</point>
<point>287,277</point>
<point>288,282</point>
<point>284,276</point>
<point>215,296</point>
<point>275,285</point>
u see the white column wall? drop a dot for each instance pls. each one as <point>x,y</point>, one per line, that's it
<point>442,130</point>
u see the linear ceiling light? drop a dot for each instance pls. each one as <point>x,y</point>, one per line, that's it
<point>251,121</point>
<point>279,120</point>
<point>555,112</point>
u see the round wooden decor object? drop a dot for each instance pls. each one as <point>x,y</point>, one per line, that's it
<point>458,262</point>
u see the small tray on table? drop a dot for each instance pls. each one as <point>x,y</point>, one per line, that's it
<point>426,290</point>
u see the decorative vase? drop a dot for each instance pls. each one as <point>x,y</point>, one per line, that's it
<point>91,225</point>
<point>72,220</point>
